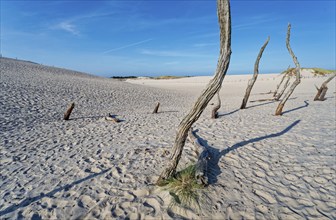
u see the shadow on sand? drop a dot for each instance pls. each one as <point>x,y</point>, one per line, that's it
<point>50,194</point>
<point>217,154</point>
<point>294,109</point>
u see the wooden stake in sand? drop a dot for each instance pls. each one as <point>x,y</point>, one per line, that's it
<point>297,81</point>
<point>68,112</point>
<point>156,108</point>
<point>322,91</point>
<point>224,19</point>
<point>255,75</point>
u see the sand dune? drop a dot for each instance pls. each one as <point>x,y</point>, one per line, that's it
<point>264,167</point>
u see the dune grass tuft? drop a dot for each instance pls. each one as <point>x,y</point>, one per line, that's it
<point>315,71</point>
<point>169,77</point>
<point>183,188</point>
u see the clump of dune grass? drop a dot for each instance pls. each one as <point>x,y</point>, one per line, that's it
<point>315,71</point>
<point>169,77</point>
<point>322,72</point>
<point>185,191</point>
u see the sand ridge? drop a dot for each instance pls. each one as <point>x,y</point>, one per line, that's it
<point>264,167</point>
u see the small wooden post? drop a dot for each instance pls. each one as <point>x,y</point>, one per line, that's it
<point>214,113</point>
<point>68,112</point>
<point>156,108</point>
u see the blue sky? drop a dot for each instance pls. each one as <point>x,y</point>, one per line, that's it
<point>157,37</point>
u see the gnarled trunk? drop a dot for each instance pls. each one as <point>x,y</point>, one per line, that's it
<point>224,19</point>
<point>255,75</point>
<point>278,111</point>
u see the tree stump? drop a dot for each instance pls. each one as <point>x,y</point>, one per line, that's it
<point>68,112</point>
<point>201,167</point>
<point>322,91</point>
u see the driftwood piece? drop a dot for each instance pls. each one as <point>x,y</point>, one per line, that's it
<point>262,100</point>
<point>297,81</point>
<point>255,75</point>
<point>214,113</point>
<point>322,91</point>
<point>224,20</point>
<point>68,112</point>
<point>201,167</point>
<point>156,108</point>
<point>112,118</point>
<point>278,95</point>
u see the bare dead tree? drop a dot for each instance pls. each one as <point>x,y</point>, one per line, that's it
<point>278,95</point>
<point>214,113</point>
<point>68,112</point>
<point>278,111</point>
<point>255,75</point>
<point>156,108</point>
<point>224,19</point>
<point>322,91</point>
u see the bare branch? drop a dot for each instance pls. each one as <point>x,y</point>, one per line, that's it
<point>255,75</point>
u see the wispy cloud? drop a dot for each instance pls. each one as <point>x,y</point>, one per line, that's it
<point>170,53</point>
<point>255,21</point>
<point>68,27</point>
<point>127,46</point>
<point>204,44</point>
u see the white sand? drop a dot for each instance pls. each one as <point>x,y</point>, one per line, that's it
<point>264,167</point>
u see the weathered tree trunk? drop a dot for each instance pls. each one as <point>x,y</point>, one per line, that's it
<point>278,96</point>
<point>156,108</point>
<point>68,112</point>
<point>322,91</point>
<point>214,113</point>
<point>278,111</point>
<point>201,167</point>
<point>224,19</point>
<point>255,75</point>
